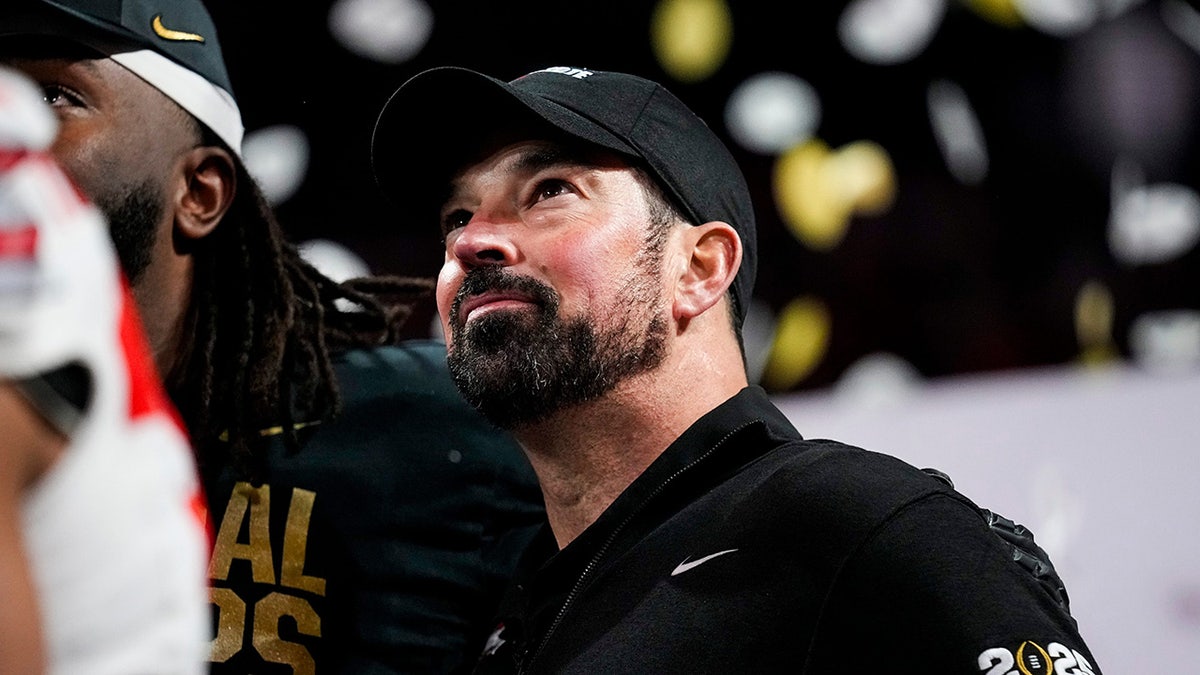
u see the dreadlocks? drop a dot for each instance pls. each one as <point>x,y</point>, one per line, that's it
<point>261,332</point>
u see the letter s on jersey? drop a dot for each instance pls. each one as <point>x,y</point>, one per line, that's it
<point>1031,659</point>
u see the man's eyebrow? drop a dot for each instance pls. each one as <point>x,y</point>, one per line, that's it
<point>531,161</point>
<point>548,157</point>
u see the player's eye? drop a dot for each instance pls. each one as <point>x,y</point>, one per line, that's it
<point>58,96</point>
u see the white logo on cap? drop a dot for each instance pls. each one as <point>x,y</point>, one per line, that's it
<point>577,73</point>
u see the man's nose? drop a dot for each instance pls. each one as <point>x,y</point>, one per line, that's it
<point>484,241</point>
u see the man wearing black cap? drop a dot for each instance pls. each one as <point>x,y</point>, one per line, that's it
<point>600,256</point>
<point>365,517</point>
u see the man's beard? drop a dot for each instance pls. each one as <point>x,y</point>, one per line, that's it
<point>520,367</point>
<point>133,219</point>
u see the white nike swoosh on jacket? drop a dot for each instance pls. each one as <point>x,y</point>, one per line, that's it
<point>685,565</point>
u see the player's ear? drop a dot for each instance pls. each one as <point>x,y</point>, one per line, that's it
<point>209,185</point>
<point>714,253</point>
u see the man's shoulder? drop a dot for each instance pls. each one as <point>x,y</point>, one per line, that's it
<point>406,389</point>
<point>409,359</point>
<point>821,459</point>
<point>414,369</point>
<point>824,478</point>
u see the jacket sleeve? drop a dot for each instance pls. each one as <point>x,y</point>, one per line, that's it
<point>933,590</point>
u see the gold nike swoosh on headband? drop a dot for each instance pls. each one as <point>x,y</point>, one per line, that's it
<point>175,35</point>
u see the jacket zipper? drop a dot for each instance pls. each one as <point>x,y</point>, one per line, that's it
<point>526,665</point>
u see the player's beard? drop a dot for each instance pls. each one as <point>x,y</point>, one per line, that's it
<point>133,217</point>
<point>519,367</point>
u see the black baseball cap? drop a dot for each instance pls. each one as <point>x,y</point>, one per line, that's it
<point>437,120</point>
<point>172,44</point>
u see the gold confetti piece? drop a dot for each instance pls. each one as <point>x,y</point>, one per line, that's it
<point>691,38</point>
<point>817,191</point>
<point>1001,12</point>
<point>1094,312</point>
<point>801,341</point>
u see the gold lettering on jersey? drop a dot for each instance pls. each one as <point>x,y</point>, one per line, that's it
<point>248,511</point>
<point>231,613</point>
<point>295,543</point>
<point>274,649</point>
<point>256,501</point>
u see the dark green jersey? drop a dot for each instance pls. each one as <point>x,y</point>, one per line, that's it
<point>383,544</point>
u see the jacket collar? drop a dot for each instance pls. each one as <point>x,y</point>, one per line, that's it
<point>712,442</point>
<point>733,434</point>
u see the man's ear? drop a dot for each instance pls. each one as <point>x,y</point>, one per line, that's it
<point>210,182</point>
<point>714,255</point>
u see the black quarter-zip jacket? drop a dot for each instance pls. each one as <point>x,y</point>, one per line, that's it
<point>746,549</point>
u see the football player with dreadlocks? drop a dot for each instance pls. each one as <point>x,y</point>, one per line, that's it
<point>366,518</point>
<point>103,547</point>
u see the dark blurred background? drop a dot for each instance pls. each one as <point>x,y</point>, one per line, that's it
<point>998,184</point>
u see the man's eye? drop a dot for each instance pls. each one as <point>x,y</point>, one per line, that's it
<point>550,188</point>
<point>454,220</point>
<point>57,96</point>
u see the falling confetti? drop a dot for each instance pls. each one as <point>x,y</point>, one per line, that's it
<point>277,157</point>
<point>958,132</point>
<point>387,31</point>
<point>887,32</point>
<point>817,190</point>
<point>1094,311</point>
<point>801,340</point>
<point>691,38</point>
<point>771,112</point>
